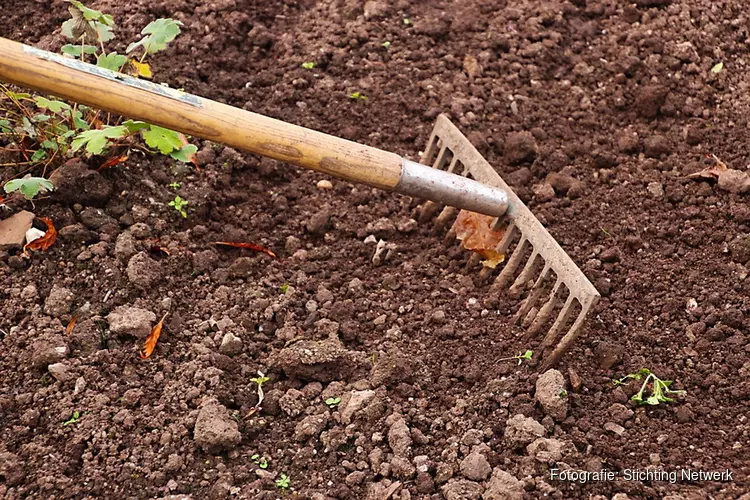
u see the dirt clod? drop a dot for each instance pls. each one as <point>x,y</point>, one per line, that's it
<point>131,321</point>
<point>551,394</point>
<point>215,431</point>
<point>520,147</point>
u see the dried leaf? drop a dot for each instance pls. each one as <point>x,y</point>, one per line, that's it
<point>45,241</point>
<point>152,339</point>
<point>71,325</point>
<point>142,69</point>
<point>251,246</point>
<point>475,231</point>
<point>115,160</point>
<point>712,172</point>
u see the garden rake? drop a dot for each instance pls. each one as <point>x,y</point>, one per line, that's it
<point>458,178</point>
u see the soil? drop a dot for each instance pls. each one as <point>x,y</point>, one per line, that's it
<point>615,101</point>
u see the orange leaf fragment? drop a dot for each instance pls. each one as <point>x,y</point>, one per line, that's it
<point>711,173</point>
<point>111,162</point>
<point>71,325</point>
<point>475,231</point>
<point>45,241</point>
<point>152,339</point>
<point>251,246</point>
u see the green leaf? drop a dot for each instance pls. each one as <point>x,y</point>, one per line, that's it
<point>52,105</point>
<point>163,139</point>
<point>717,68</point>
<point>38,155</point>
<point>158,34</point>
<point>91,14</point>
<point>76,50</point>
<point>40,118</point>
<point>135,126</point>
<point>113,61</point>
<point>51,145</point>
<point>29,187</point>
<point>358,96</point>
<point>78,122</point>
<point>386,44</point>
<point>308,65</point>
<point>332,401</point>
<point>104,32</point>
<point>97,140</point>
<point>184,154</point>
<point>5,127</point>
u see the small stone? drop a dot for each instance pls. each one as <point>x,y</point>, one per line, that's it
<point>231,345</point>
<point>125,246</point>
<point>318,223</point>
<point>131,321</point>
<point>310,427</point>
<point>543,192</point>
<point>45,353</point>
<point>614,428</point>
<point>740,249</point>
<point>520,147</point>
<point>60,371</point>
<point>13,230</point>
<point>475,467</point>
<point>545,450</point>
<point>619,412</point>
<point>143,271</point>
<point>551,394</point>
<point>657,146</point>
<point>407,226</point>
<point>503,486</point>
<point>95,218</point>
<point>324,184</point>
<point>381,228</point>
<point>352,403</point>
<point>59,301</point>
<point>655,189</point>
<point>399,438</point>
<point>215,431</point>
<point>461,489</point>
<point>521,430</point>
<point>734,181</point>
<point>402,468</point>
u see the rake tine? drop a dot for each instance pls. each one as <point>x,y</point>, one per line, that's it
<point>502,247</point>
<point>566,342</point>
<point>536,293</point>
<point>523,278</point>
<point>446,216</point>
<point>507,273</point>
<point>545,312</point>
<point>560,322</point>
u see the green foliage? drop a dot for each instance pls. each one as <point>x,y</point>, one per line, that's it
<point>521,356</point>
<point>262,462</point>
<point>29,187</point>
<point>158,34</point>
<point>112,61</point>
<point>96,141</point>
<point>654,389</point>
<point>308,65</point>
<point>78,50</point>
<point>260,380</point>
<point>331,402</point>
<point>386,44</point>
<point>283,482</point>
<point>174,185</point>
<point>284,288</point>
<point>52,105</point>
<point>358,96</point>
<point>73,419</point>
<point>716,69</point>
<point>180,205</point>
<point>163,139</point>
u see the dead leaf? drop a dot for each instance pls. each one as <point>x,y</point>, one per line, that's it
<point>111,162</point>
<point>472,67</point>
<point>142,69</point>
<point>152,339</point>
<point>475,231</point>
<point>71,325</point>
<point>712,172</point>
<point>250,246</point>
<point>45,241</point>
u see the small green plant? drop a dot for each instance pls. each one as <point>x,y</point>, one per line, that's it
<point>308,65</point>
<point>284,288</point>
<point>283,482</point>
<point>332,402</point>
<point>73,419</point>
<point>29,186</point>
<point>358,96</point>
<point>654,389</point>
<point>261,462</point>
<point>407,21</point>
<point>521,357</point>
<point>385,44</point>
<point>716,69</point>
<point>174,185</point>
<point>180,205</point>
<point>563,394</point>
<point>259,381</point>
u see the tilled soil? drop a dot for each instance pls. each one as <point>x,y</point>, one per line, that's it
<point>595,111</point>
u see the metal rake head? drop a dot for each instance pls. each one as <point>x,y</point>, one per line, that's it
<point>553,287</point>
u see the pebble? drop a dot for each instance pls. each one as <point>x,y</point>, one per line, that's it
<point>655,189</point>
<point>614,428</point>
<point>475,467</point>
<point>324,184</point>
<point>551,394</point>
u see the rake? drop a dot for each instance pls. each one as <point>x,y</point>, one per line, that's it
<point>453,176</point>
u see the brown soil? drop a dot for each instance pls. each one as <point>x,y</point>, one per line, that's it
<point>618,95</point>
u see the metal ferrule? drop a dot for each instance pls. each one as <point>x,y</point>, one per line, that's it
<point>455,190</point>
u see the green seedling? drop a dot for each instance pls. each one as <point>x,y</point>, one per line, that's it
<point>716,69</point>
<point>73,419</point>
<point>283,482</point>
<point>29,187</point>
<point>332,402</point>
<point>521,357</point>
<point>358,96</point>
<point>284,288</point>
<point>385,44</point>
<point>308,65</point>
<point>180,205</point>
<point>174,185</point>
<point>261,462</point>
<point>563,394</point>
<point>654,389</point>
<point>259,381</point>
<point>407,21</point>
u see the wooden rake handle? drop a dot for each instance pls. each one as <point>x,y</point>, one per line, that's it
<point>142,100</point>
<point>87,84</point>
